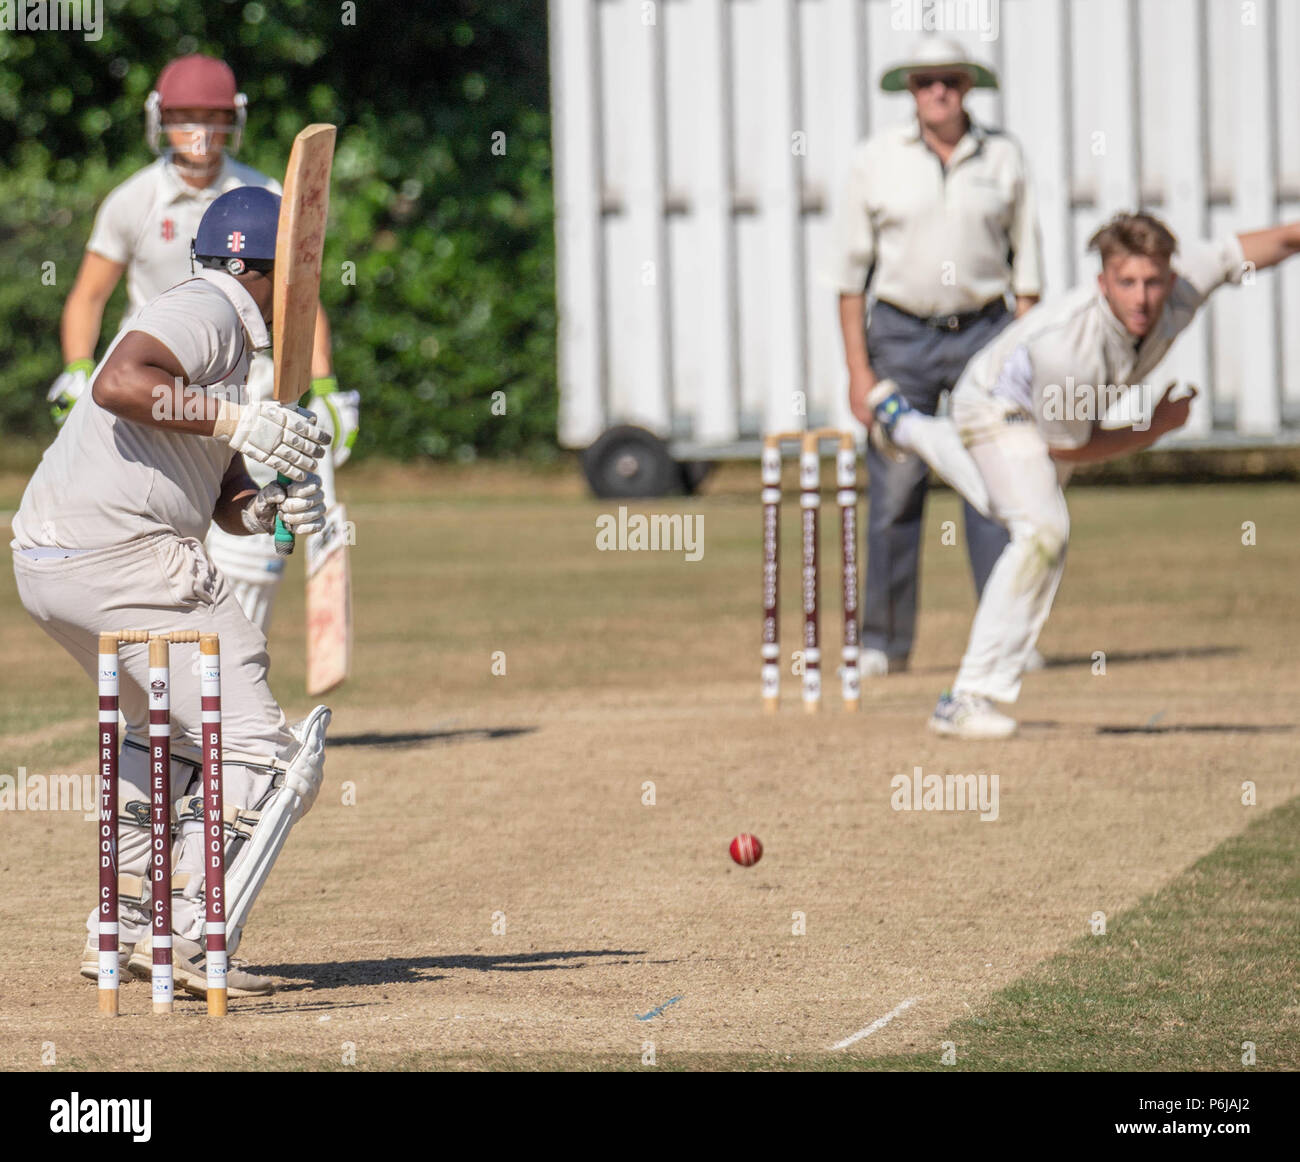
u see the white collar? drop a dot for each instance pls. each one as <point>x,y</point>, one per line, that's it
<point>178,187</point>
<point>968,145</point>
<point>243,303</point>
<point>973,130</point>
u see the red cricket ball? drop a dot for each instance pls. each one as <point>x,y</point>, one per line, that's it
<point>746,850</point>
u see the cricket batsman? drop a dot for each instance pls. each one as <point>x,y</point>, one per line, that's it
<point>109,535</point>
<point>194,120</point>
<point>1028,407</point>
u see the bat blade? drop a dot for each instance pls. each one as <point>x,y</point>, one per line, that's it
<point>299,248</point>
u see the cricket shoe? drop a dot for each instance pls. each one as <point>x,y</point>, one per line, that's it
<point>873,664</point>
<point>190,970</point>
<point>877,664</point>
<point>887,407</point>
<point>969,716</point>
<point>90,959</point>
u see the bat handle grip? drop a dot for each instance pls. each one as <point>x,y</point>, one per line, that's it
<point>283,537</point>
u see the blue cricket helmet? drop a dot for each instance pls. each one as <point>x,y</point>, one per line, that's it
<point>237,232</point>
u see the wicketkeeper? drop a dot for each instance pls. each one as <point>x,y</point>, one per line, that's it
<point>109,536</point>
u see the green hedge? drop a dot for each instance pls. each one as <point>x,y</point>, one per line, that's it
<point>453,246</point>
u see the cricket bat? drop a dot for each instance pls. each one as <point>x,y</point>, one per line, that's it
<point>299,247</point>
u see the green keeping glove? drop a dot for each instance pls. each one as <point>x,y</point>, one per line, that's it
<point>340,411</point>
<point>68,388</point>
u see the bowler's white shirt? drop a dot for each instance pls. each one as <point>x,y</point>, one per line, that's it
<point>1074,345</point>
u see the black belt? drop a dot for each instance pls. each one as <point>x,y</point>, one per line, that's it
<point>958,322</point>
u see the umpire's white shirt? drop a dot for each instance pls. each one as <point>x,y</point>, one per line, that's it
<point>105,480</point>
<point>1052,360</point>
<point>148,222</point>
<point>938,237</point>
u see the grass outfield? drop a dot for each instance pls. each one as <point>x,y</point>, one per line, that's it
<point>1177,983</point>
<point>454,793</point>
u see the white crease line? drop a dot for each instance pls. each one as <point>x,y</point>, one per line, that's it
<point>877,1024</point>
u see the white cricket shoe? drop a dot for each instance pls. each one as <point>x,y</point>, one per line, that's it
<point>190,970</point>
<point>90,959</point>
<point>969,716</point>
<point>873,664</point>
<point>877,664</point>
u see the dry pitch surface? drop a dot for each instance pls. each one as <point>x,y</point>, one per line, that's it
<point>481,882</point>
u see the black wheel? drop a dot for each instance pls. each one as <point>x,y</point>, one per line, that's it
<point>630,462</point>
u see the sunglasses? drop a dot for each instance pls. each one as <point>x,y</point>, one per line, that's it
<point>947,80</point>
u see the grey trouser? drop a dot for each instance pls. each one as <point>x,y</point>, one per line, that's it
<point>924,361</point>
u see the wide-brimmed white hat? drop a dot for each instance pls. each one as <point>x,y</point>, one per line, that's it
<point>933,54</point>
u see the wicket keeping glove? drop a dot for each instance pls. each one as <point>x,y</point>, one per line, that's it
<point>340,411</point>
<point>68,388</point>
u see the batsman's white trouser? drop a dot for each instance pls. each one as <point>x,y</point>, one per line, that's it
<point>162,583</point>
<point>1018,484</point>
<point>251,566</point>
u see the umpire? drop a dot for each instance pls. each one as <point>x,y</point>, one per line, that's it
<point>938,219</point>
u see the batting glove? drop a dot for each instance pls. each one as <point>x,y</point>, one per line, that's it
<point>283,438</point>
<point>303,509</point>
<point>301,505</point>
<point>341,410</point>
<point>260,512</point>
<point>68,388</point>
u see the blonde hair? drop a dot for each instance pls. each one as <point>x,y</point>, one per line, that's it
<point>1138,234</point>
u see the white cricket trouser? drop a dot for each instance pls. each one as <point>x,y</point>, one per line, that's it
<point>1018,484</point>
<point>160,583</point>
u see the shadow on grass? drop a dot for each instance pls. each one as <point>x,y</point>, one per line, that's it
<point>413,738</point>
<point>417,969</point>
<point>1120,657</point>
<point>1173,728</point>
<point>1065,661</point>
<point>1197,728</point>
<point>272,1007</point>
